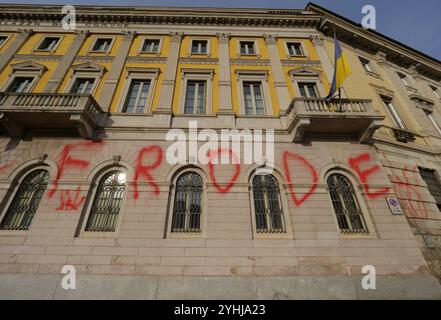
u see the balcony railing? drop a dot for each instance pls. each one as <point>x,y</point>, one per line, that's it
<point>49,111</point>
<point>348,117</point>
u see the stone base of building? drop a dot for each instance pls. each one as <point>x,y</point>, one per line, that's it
<point>170,287</point>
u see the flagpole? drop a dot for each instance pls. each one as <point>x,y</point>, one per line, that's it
<point>339,100</point>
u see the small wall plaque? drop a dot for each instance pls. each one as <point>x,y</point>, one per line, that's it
<point>394,206</point>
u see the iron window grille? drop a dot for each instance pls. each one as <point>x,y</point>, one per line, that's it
<point>267,205</point>
<point>107,202</point>
<point>26,200</point>
<point>433,184</point>
<point>187,206</point>
<point>347,209</point>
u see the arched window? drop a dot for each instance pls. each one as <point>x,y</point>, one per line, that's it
<point>187,206</point>
<point>267,204</point>
<point>107,202</point>
<point>347,209</point>
<point>22,209</point>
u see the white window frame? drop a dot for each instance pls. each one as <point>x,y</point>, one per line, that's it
<point>197,53</point>
<point>204,207</point>
<point>25,69</point>
<point>52,50</point>
<point>393,113</point>
<point>306,75</point>
<point>83,77</point>
<point>98,37</point>
<point>87,207</point>
<point>86,70</point>
<point>144,39</point>
<point>195,107</point>
<point>8,36</point>
<point>433,121</point>
<point>307,91</point>
<point>256,48</point>
<point>255,76</point>
<point>302,48</point>
<point>134,73</point>
<point>366,66</point>
<point>404,79</point>
<point>197,74</point>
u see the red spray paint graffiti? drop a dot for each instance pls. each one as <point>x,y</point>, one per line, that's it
<point>286,158</point>
<point>67,203</point>
<point>144,170</point>
<point>216,153</point>
<point>363,175</point>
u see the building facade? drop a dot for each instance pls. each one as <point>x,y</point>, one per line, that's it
<point>89,119</point>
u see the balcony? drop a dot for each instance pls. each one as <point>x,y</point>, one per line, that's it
<point>354,118</point>
<point>59,113</point>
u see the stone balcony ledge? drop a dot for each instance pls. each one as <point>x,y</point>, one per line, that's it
<point>49,113</point>
<point>340,117</point>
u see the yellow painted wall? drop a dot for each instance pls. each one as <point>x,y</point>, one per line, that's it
<point>34,40</point>
<point>185,47</point>
<point>136,45</point>
<point>87,45</point>
<point>8,42</point>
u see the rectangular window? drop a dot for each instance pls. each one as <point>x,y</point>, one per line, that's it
<point>308,89</point>
<point>150,46</point>
<point>82,85</point>
<point>49,43</point>
<point>253,99</point>
<point>433,184</point>
<point>434,123</point>
<point>199,46</point>
<point>3,39</point>
<point>20,84</point>
<point>102,45</point>
<point>295,49</point>
<point>435,91</point>
<point>247,48</point>
<point>195,97</point>
<point>137,96</point>
<point>403,78</point>
<point>366,64</point>
<point>398,122</point>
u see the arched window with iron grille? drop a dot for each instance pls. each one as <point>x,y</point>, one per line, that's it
<point>187,207</point>
<point>26,200</point>
<point>268,205</point>
<point>347,209</point>
<point>107,203</point>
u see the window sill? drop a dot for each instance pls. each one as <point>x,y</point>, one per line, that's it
<point>149,53</point>
<point>195,235</point>
<point>373,74</point>
<point>44,51</point>
<point>96,234</point>
<point>344,236</point>
<point>291,56</point>
<point>12,233</point>
<point>273,236</point>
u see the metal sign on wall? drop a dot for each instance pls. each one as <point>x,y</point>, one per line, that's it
<point>394,205</point>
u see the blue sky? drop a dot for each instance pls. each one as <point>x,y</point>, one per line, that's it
<point>415,23</point>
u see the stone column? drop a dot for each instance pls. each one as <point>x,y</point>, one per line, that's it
<point>325,60</point>
<point>225,100</point>
<point>20,39</point>
<point>168,82</point>
<point>111,83</point>
<point>278,74</point>
<point>66,62</point>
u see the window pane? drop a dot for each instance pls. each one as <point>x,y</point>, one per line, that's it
<point>349,216</point>
<point>3,39</point>
<point>137,96</point>
<point>199,46</point>
<point>48,43</point>
<point>268,211</point>
<point>26,200</point>
<point>82,85</point>
<point>433,184</point>
<point>150,46</point>
<point>187,208</point>
<point>102,44</point>
<point>201,97</point>
<point>107,202</point>
<point>20,84</point>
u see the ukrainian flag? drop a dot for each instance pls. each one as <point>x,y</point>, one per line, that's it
<point>341,70</point>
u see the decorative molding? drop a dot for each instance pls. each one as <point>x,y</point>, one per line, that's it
<point>295,63</point>
<point>128,35</point>
<point>223,37</point>
<point>270,38</point>
<point>176,36</point>
<point>250,62</point>
<point>89,67</point>
<point>81,34</point>
<point>151,60</point>
<point>95,58</point>
<point>403,135</point>
<point>37,57</point>
<point>24,33</point>
<point>28,66</point>
<point>316,40</point>
<point>304,72</point>
<point>198,60</point>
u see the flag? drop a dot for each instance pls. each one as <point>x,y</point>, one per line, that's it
<point>341,70</point>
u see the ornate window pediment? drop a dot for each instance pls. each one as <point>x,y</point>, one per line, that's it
<point>304,72</point>
<point>29,66</point>
<point>89,67</point>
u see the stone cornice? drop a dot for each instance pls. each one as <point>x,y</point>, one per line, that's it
<point>119,16</point>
